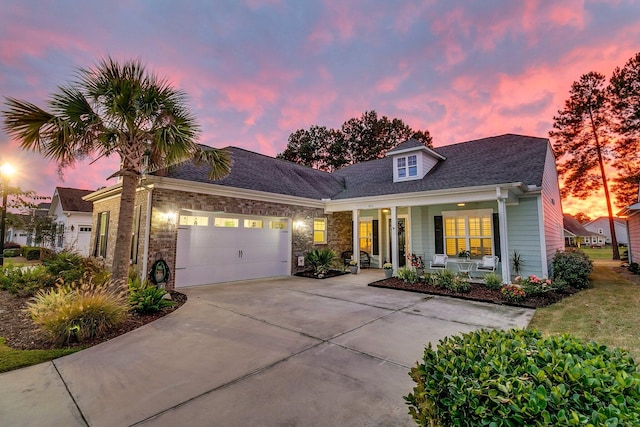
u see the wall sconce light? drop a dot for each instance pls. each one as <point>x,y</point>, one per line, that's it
<point>299,224</point>
<point>72,228</point>
<point>171,218</point>
<point>385,210</point>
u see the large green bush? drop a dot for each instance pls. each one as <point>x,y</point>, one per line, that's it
<point>572,267</point>
<point>31,253</point>
<point>518,378</point>
<point>66,265</point>
<point>25,281</point>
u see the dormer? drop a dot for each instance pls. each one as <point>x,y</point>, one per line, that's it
<point>412,160</point>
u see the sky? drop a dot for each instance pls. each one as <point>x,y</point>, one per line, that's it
<point>255,71</point>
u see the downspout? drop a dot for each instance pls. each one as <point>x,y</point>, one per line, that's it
<point>504,241</point>
<point>147,234</point>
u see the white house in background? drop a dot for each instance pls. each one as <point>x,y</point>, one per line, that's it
<point>17,234</point>
<point>600,226</point>
<point>73,216</point>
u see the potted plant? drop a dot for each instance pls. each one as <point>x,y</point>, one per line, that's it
<point>516,262</point>
<point>464,254</point>
<point>388,269</point>
<point>353,266</point>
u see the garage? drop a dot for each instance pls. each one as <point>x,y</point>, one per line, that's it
<point>219,247</point>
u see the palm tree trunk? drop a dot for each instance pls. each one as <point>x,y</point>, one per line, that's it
<point>121,254</point>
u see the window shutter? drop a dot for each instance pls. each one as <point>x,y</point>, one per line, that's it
<point>375,236</point>
<point>438,231</point>
<point>496,235</point>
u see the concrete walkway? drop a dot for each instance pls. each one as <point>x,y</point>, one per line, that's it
<point>277,352</point>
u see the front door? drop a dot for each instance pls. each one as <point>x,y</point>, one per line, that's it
<point>402,242</point>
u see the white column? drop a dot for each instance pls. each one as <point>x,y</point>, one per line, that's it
<point>504,241</point>
<point>356,237</point>
<point>394,239</point>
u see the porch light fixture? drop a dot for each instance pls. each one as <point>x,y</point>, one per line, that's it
<point>461,204</point>
<point>299,224</point>
<point>171,218</point>
<point>385,210</point>
<point>6,171</point>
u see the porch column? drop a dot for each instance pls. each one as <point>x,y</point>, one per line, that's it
<point>395,254</point>
<point>504,241</point>
<point>356,237</point>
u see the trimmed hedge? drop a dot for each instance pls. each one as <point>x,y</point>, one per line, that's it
<point>572,268</point>
<point>516,378</point>
<point>31,253</point>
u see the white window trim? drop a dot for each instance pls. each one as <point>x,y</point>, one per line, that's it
<point>466,214</point>
<point>324,232</point>
<point>407,177</point>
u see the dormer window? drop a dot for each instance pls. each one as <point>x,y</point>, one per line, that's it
<point>407,166</point>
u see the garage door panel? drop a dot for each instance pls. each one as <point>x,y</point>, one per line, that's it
<point>209,254</point>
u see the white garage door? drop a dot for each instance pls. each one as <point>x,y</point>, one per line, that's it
<point>214,248</point>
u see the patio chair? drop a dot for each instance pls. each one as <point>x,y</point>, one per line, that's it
<point>365,258</point>
<point>439,262</point>
<point>488,264</point>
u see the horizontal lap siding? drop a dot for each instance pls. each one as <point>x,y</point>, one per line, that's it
<point>633,222</point>
<point>524,234</point>
<point>552,211</point>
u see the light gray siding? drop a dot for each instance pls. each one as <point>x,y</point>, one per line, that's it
<point>524,235</point>
<point>551,211</point>
<point>633,224</point>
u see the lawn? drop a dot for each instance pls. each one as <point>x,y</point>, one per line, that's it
<point>599,253</point>
<point>606,313</point>
<point>11,358</point>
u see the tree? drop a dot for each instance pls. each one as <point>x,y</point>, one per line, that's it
<point>581,142</point>
<point>115,109</point>
<point>624,87</point>
<point>359,139</point>
<point>582,218</point>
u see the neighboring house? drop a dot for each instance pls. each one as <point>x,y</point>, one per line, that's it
<point>16,233</point>
<point>491,196</point>
<point>74,216</point>
<point>601,227</point>
<point>576,235</point>
<point>632,214</point>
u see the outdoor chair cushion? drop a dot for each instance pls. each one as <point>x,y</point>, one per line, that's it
<point>439,261</point>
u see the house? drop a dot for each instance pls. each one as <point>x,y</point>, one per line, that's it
<point>18,232</point>
<point>73,216</point>
<point>575,234</point>
<point>632,214</point>
<point>491,196</point>
<point>601,227</point>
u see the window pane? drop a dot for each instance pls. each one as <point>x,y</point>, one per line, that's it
<point>412,160</point>
<point>474,226</point>
<point>319,230</point>
<point>194,220</point>
<point>366,229</point>
<point>487,226</point>
<point>460,229</point>
<point>402,162</point>
<point>226,222</point>
<point>402,173</point>
<point>413,171</point>
<point>278,225</point>
<point>451,247</point>
<point>253,223</point>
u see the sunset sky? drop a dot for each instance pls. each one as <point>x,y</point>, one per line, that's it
<point>255,71</point>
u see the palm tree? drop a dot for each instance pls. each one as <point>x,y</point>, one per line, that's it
<point>115,109</point>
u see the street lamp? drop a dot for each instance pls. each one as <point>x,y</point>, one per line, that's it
<point>6,171</point>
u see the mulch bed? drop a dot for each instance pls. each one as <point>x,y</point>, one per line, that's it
<point>21,333</point>
<point>478,292</point>
<point>327,275</point>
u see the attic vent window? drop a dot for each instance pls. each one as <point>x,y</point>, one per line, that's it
<point>407,166</point>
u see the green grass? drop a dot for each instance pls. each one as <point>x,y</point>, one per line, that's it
<point>599,253</point>
<point>606,313</point>
<point>11,358</point>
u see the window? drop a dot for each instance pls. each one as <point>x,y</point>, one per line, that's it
<point>366,236</point>
<point>101,235</point>
<point>470,231</point>
<point>84,229</point>
<point>600,231</point>
<point>319,230</point>
<point>226,222</point>
<point>135,235</point>
<point>60,234</point>
<point>253,223</point>
<point>194,220</point>
<point>278,224</point>
<point>407,166</point>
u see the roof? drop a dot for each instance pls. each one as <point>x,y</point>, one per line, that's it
<point>616,220</point>
<point>573,226</point>
<point>409,143</point>
<point>258,172</point>
<point>489,161</point>
<point>496,160</point>
<point>71,199</point>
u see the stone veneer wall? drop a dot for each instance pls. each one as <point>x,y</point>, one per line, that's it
<point>164,238</point>
<point>340,231</point>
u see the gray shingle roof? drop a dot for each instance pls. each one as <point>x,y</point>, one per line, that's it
<point>258,172</point>
<point>573,225</point>
<point>495,160</point>
<point>409,143</point>
<point>71,199</point>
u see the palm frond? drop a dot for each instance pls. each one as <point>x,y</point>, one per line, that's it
<point>219,160</point>
<point>27,123</point>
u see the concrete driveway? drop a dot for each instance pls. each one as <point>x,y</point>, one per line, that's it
<point>277,352</point>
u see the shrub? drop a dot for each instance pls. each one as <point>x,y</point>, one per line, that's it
<point>78,312</point>
<point>492,281</point>
<point>11,245</point>
<point>516,378</point>
<point>634,267</point>
<point>513,293</point>
<point>320,260</point>
<point>66,265</point>
<point>459,284</point>
<point>25,281</point>
<point>145,298</point>
<point>533,285</point>
<point>409,275</point>
<point>11,252</point>
<point>31,253</point>
<point>443,278</point>
<point>572,267</point>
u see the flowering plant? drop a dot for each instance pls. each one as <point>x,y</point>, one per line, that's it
<point>387,266</point>
<point>533,285</point>
<point>513,293</point>
<point>416,261</point>
<point>464,254</point>
<point>353,263</point>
